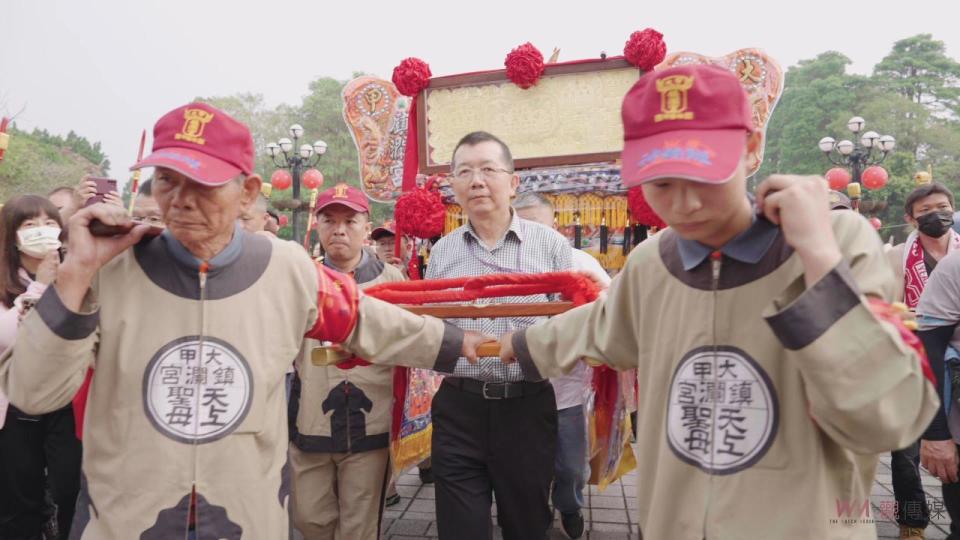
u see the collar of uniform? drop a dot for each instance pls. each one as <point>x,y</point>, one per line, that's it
<point>516,227</point>
<point>749,246</point>
<point>226,256</point>
<point>369,268</point>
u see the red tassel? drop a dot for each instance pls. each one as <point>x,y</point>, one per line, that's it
<point>413,267</point>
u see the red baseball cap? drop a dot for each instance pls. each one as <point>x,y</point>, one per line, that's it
<point>687,122</point>
<point>202,143</point>
<point>345,195</point>
<point>387,228</point>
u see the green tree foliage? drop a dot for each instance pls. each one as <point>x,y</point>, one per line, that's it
<point>38,162</point>
<point>818,96</point>
<point>912,95</point>
<point>77,144</point>
<point>919,69</point>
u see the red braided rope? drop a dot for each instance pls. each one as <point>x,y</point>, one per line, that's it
<point>573,286</point>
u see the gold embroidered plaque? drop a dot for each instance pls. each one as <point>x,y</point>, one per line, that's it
<point>571,116</point>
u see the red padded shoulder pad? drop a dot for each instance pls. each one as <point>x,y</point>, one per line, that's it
<point>337,304</point>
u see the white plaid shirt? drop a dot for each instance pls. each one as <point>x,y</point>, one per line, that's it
<point>528,248</point>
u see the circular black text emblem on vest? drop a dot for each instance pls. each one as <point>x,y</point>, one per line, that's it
<point>723,412</point>
<point>197,391</point>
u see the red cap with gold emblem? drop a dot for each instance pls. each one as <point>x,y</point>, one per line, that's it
<point>688,122</point>
<point>203,143</point>
<point>345,195</point>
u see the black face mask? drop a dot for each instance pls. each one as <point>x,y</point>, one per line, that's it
<point>935,224</point>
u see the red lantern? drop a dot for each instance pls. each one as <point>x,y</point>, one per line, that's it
<point>281,180</point>
<point>875,177</point>
<point>838,178</point>
<point>312,179</point>
<point>283,220</point>
<point>875,221</point>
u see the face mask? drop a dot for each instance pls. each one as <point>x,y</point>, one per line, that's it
<point>38,241</point>
<point>935,224</point>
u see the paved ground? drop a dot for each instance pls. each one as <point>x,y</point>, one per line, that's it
<point>612,514</point>
<point>882,497</point>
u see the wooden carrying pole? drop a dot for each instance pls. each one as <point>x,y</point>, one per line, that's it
<point>333,354</point>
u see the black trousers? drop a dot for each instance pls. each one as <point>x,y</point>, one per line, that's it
<point>484,447</point>
<point>951,502</point>
<point>37,452</point>
<point>912,510</point>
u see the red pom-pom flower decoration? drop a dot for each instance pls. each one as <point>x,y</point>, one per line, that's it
<point>524,65</point>
<point>411,76</point>
<point>645,49</point>
<point>420,212</point>
<point>640,211</point>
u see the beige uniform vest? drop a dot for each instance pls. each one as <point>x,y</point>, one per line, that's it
<point>763,404</point>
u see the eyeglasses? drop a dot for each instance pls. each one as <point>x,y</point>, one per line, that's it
<point>487,173</point>
<point>149,220</point>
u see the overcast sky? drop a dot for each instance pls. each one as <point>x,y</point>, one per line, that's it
<point>109,68</point>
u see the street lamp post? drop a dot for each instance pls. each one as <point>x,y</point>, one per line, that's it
<point>287,155</point>
<point>858,154</point>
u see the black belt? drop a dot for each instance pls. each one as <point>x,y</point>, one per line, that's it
<point>497,390</point>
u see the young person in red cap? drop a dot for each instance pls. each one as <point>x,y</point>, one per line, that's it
<point>384,239</point>
<point>185,420</point>
<point>340,415</point>
<point>767,385</point>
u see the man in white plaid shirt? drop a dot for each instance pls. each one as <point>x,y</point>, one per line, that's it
<point>483,409</point>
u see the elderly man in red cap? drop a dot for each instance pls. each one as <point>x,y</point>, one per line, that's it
<point>185,423</point>
<point>340,415</point>
<point>768,387</point>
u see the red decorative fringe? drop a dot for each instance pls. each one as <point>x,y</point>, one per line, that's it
<point>885,312</point>
<point>573,286</point>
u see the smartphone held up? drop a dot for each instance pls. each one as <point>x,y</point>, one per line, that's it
<point>104,186</point>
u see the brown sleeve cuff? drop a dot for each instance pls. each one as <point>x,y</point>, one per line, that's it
<point>816,309</point>
<point>530,371</point>
<point>61,321</point>
<point>450,348</point>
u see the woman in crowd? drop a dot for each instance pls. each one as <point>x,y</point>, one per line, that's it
<point>36,452</point>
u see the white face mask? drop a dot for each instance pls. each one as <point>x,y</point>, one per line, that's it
<point>38,241</point>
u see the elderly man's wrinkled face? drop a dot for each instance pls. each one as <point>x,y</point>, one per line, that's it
<point>198,214</point>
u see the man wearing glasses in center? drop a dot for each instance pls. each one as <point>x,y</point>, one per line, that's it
<point>483,409</point>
